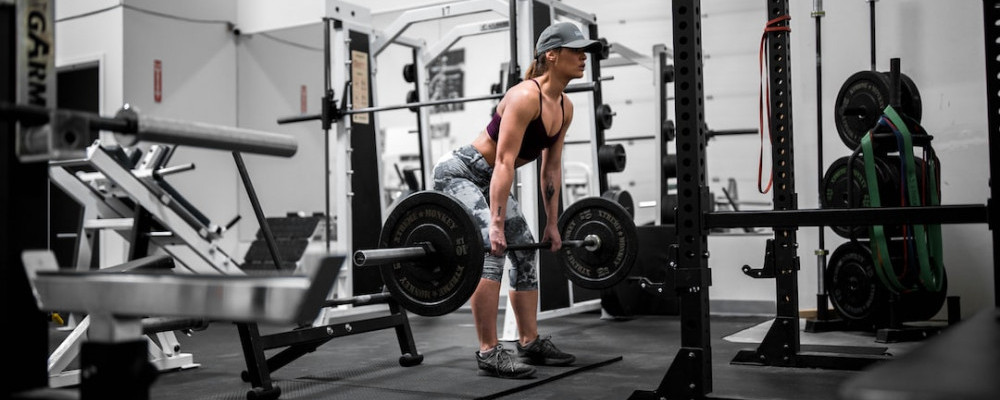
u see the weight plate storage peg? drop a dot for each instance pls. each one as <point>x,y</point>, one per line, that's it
<point>604,265</point>
<point>445,279</point>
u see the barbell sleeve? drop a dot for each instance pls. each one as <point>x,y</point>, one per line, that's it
<point>199,134</point>
<point>362,300</point>
<point>387,256</point>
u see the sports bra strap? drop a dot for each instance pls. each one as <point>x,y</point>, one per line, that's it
<point>562,106</point>
<point>539,97</point>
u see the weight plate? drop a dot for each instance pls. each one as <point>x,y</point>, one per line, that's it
<point>669,164</point>
<point>443,281</point>
<point>836,183</point>
<point>862,99</point>
<point>623,198</point>
<point>668,209</point>
<point>613,259</point>
<point>604,116</point>
<point>605,49</point>
<point>409,73</point>
<point>611,158</point>
<point>852,283</point>
<point>857,293</point>
<point>922,305</point>
<point>859,105</point>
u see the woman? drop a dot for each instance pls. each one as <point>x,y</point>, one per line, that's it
<point>530,122</point>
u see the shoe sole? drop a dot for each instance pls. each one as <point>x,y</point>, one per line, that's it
<point>524,375</point>
<point>546,361</point>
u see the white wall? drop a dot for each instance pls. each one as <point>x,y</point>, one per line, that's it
<point>273,67</point>
<point>197,51</point>
<point>260,16</point>
<point>198,71</point>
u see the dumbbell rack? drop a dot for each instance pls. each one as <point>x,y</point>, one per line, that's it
<point>690,373</point>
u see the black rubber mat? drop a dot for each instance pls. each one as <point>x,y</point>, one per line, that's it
<point>448,373</point>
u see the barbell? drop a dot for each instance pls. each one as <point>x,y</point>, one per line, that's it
<point>386,256</point>
<point>431,251</point>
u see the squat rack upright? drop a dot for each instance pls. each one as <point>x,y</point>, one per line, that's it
<point>690,373</point>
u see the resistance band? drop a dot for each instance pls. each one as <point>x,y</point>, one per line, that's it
<point>925,241</point>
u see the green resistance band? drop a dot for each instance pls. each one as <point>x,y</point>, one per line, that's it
<point>879,247</point>
<point>927,239</point>
<point>931,269</point>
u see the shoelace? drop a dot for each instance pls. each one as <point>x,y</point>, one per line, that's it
<point>546,346</point>
<point>504,359</point>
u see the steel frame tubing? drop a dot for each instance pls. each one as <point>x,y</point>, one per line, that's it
<point>690,373</point>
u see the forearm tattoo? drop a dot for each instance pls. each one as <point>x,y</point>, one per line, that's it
<point>499,210</point>
<point>550,192</point>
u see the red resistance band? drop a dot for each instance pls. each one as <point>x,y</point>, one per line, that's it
<point>765,91</point>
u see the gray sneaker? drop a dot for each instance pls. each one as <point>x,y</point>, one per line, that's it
<point>501,363</point>
<point>543,352</point>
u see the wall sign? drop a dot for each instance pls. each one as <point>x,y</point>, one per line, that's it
<point>157,81</point>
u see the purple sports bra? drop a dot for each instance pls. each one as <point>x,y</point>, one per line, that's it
<point>535,138</point>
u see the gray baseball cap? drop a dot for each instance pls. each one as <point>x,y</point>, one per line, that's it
<point>564,34</point>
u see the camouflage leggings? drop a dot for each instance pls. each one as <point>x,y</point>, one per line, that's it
<point>464,174</point>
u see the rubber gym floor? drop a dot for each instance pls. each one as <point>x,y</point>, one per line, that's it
<point>615,357</point>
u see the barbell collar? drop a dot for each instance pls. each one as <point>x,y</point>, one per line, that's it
<point>592,242</point>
